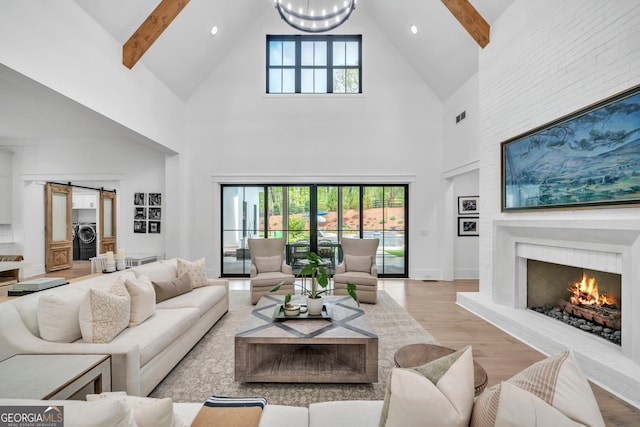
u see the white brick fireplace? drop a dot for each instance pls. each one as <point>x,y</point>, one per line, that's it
<point>610,246</point>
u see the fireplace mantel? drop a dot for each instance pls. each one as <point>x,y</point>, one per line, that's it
<point>615,232</point>
<point>612,246</point>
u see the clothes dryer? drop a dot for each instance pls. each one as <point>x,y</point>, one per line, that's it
<point>87,237</point>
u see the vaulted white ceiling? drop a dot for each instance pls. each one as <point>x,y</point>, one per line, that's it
<point>442,52</point>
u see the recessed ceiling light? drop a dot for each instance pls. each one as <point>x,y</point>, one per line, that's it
<point>214,30</point>
<point>414,29</point>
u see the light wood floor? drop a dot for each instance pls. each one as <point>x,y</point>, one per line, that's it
<point>433,305</point>
<point>79,269</point>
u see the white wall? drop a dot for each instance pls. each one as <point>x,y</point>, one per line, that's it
<point>547,59</point>
<point>461,139</point>
<point>128,168</point>
<point>6,205</point>
<point>466,248</point>
<point>392,131</point>
<point>461,178</point>
<point>5,189</point>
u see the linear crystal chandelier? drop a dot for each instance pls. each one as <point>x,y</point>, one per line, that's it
<point>315,16</point>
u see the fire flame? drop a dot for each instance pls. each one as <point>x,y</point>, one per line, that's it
<point>586,293</point>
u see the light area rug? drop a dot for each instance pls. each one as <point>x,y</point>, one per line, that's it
<point>208,369</point>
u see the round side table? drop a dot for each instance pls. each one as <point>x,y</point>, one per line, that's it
<point>413,355</point>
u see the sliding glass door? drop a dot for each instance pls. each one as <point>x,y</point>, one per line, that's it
<point>315,218</point>
<point>385,219</point>
<point>242,218</point>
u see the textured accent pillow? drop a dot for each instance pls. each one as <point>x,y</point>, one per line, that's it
<point>58,317</point>
<point>178,286</point>
<point>266,264</point>
<point>147,411</point>
<point>196,271</point>
<point>143,300</point>
<point>523,409</point>
<point>103,315</point>
<point>440,391</point>
<point>358,263</point>
<point>557,380</point>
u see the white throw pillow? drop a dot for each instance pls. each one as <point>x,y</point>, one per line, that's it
<point>103,315</point>
<point>557,380</point>
<point>58,317</point>
<point>143,300</point>
<point>358,263</point>
<point>196,271</point>
<point>519,408</point>
<point>147,411</point>
<point>440,391</point>
<point>105,413</point>
<point>267,264</point>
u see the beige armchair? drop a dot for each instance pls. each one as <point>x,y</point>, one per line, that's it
<point>268,268</point>
<point>358,267</point>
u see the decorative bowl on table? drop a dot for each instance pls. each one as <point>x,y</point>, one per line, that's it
<point>291,309</point>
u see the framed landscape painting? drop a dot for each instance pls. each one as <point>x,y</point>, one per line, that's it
<point>590,158</point>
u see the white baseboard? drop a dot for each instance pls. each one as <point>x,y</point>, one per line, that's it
<point>467,273</point>
<point>426,273</point>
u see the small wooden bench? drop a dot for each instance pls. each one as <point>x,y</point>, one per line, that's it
<point>9,277</point>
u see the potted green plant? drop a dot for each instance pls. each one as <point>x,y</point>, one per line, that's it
<point>319,281</point>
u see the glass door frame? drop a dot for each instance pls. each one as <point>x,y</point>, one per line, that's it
<point>265,231</point>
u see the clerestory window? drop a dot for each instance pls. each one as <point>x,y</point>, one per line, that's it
<point>314,64</point>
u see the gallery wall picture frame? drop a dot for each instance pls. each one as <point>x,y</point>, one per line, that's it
<point>468,226</point>
<point>155,199</point>
<point>140,227</point>
<point>139,199</point>
<point>155,214</point>
<point>154,227</point>
<point>140,212</point>
<point>586,159</point>
<point>468,205</point>
<point>147,213</point>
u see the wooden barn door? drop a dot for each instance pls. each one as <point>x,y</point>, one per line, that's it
<point>108,222</point>
<point>58,232</point>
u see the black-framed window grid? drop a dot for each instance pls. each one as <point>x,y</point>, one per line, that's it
<point>287,70</point>
<point>249,216</point>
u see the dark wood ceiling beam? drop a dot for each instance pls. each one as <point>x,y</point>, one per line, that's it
<point>470,19</point>
<point>150,30</point>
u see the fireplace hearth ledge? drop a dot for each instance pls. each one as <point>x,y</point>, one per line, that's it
<point>602,362</point>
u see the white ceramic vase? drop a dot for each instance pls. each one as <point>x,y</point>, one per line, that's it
<point>314,305</point>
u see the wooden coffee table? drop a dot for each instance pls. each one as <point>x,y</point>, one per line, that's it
<point>341,350</point>
<point>413,355</point>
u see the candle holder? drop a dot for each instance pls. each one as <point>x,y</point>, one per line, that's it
<point>111,267</point>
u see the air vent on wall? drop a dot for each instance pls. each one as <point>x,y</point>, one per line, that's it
<point>461,116</point>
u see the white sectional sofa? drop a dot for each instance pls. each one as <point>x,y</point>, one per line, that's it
<point>141,356</point>
<point>342,413</point>
<point>361,413</point>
